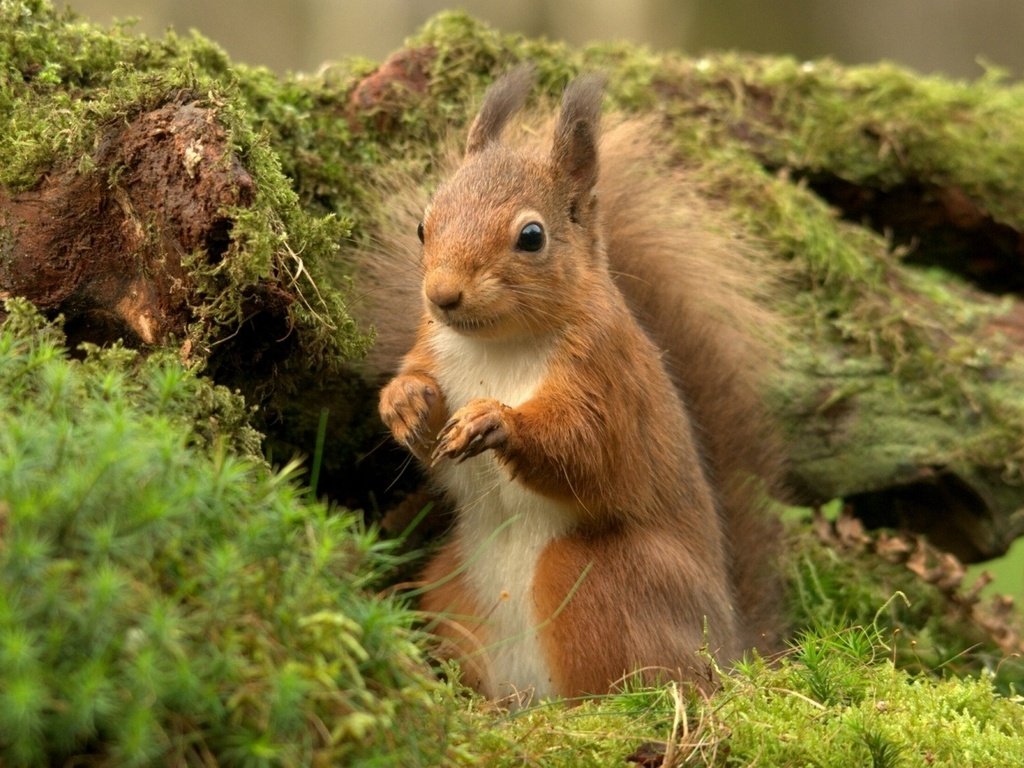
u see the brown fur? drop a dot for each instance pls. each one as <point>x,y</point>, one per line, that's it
<point>459,621</point>
<point>652,450</point>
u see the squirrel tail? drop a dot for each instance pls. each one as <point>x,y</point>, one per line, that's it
<point>703,294</point>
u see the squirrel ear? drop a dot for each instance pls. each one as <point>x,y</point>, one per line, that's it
<point>574,153</point>
<point>503,99</point>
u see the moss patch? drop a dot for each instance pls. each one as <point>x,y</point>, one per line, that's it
<point>167,598</point>
<point>835,700</point>
<point>65,82</point>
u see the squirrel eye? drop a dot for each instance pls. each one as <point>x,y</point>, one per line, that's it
<point>419,231</point>
<point>531,238</point>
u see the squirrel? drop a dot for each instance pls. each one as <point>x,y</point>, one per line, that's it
<point>581,384</point>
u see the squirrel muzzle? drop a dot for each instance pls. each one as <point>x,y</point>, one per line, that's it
<point>443,290</point>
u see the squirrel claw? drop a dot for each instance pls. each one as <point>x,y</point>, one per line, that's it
<point>440,449</point>
<point>473,448</point>
<point>477,427</point>
<point>448,427</point>
<point>409,405</point>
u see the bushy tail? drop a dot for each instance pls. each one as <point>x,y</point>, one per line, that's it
<point>704,296</point>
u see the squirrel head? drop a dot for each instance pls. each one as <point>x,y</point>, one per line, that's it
<point>511,240</point>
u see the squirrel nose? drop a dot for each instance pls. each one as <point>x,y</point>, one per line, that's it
<point>444,294</point>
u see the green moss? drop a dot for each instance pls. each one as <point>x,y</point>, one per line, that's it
<point>877,125</point>
<point>835,700</point>
<point>166,598</point>
<point>63,79</point>
<point>924,632</point>
<point>754,128</point>
<point>64,82</point>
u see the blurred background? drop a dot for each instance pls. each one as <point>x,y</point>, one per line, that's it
<point>932,36</point>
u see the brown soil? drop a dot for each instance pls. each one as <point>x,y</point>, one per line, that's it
<point>104,247</point>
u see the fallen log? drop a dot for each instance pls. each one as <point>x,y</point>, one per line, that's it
<point>187,202</point>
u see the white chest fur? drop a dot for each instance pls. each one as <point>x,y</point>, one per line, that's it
<point>502,526</point>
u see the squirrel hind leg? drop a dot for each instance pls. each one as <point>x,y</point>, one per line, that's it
<point>452,609</point>
<point>609,609</point>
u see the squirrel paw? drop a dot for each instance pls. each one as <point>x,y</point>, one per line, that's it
<point>409,405</point>
<point>478,426</point>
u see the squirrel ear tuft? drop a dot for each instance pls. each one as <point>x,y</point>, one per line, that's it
<point>574,153</point>
<point>503,99</point>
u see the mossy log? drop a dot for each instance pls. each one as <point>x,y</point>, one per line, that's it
<point>106,248</point>
<point>153,191</point>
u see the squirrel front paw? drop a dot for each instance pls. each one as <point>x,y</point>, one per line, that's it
<point>412,407</point>
<point>478,426</point>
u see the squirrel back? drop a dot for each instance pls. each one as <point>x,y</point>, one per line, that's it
<point>693,291</point>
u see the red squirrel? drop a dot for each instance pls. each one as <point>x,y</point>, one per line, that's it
<point>606,522</point>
